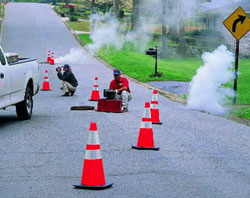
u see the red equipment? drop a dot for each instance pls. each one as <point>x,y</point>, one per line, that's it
<point>106,105</point>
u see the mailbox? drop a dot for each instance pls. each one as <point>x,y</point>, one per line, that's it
<point>151,52</point>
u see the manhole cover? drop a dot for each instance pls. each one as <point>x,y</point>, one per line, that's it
<point>82,108</point>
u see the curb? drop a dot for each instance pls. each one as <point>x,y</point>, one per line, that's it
<point>171,96</point>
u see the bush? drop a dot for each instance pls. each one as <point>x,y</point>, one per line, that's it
<point>73,19</point>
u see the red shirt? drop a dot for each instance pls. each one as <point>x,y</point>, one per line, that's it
<point>118,84</point>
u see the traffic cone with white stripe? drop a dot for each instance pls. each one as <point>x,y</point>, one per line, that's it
<point>146,133</point>
<point>48,57</point>
<point>93,176</point>
<point>155,109</point>
<point>95,95</point>
<point>52,60</point>
<point>46,84</point>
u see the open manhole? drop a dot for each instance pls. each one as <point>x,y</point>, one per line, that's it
<point>82,108</point>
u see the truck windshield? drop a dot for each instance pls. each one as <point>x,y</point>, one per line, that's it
<point>2,58</point>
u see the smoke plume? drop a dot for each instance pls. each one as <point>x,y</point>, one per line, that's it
<point>206,92</point>
<point>74,56</point>
<point>106,30</point>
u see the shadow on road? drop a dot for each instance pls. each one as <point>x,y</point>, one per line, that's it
<point>7,120</point>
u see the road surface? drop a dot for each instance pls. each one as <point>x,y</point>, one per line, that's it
<point>200,155</point>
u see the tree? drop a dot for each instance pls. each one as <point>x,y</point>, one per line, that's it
<point>135,14</point>
<point>117,8</point>
<point>164,30</point>
<point>93,5</point>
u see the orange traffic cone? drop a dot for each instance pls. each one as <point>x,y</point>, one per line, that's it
<point>46,84</point>
<point>95,95</point>
<point>48,57</point>
<point>93,176</point>
<point>52,60</point>
<point>146,133</point>
<point>155,109</point>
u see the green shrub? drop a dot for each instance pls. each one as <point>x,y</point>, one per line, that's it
<point>73,18</point>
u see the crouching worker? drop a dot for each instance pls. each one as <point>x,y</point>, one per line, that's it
<point>69,82</point>
<point>121,86</point>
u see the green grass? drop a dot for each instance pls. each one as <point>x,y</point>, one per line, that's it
<point>1,10</point>
<point>31,1</point>
<point>241,113</point>
<point>85,38</point>
<point>140,66</point>
<point>80,26</point>
<point>244,82</point>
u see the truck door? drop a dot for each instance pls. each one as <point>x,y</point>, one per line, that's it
<point>5,81</point>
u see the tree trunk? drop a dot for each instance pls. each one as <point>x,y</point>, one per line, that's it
<point>93,5</point>
<point>135,15</point>
<point>117,8</point>
<point>182,45</point>
<point>164,30</point>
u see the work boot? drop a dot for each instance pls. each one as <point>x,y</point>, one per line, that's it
<point>125,109</point>
<point>66,94</point>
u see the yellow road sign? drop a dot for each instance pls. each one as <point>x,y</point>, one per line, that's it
<point>238,23</point>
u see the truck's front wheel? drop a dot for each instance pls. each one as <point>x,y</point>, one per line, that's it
<point>24,108</point>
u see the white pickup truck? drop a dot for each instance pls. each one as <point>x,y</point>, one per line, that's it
<point>19,82</point>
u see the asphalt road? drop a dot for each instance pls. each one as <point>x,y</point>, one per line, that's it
<point>201,155</point>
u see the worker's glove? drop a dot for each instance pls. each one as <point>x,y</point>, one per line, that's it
<point>116,91</point>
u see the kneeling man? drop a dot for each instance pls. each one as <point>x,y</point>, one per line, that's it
<point>69,82</point>
<point>121,86</point>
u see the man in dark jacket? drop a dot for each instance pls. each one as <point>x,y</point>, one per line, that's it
<point>69,82</point>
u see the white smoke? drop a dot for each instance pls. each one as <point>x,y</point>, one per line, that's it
<point>106,30</point>
<point>74,56</point>
<point>206,92</point>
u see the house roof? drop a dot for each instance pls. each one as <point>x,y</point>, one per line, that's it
<point>222,6</point>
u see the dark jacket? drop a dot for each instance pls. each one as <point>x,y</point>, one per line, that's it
<point>69,77</point>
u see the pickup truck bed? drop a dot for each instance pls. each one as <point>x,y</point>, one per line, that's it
<point>22,60</point>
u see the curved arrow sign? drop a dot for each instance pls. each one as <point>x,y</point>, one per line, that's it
<point>241,19</point>
<point>238,23</point>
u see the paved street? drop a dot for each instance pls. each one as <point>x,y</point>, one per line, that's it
<point>200,155</point>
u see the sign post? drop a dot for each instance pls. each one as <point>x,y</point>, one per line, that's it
<point>236,70</point>
<point>238,24</point>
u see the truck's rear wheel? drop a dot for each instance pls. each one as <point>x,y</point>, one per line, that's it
<point>24,108</point>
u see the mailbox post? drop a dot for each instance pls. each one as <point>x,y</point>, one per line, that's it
<point>154,53</point>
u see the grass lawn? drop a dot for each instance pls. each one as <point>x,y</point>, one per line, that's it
<point>241,113</point>
<point>80,26</point>
<point>244,82</point>
<point>140,66</point>
<point>85,38</point>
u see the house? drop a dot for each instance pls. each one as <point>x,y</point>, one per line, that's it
<point>213,17</point>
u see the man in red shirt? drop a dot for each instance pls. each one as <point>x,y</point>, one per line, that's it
<point>121,86</point>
